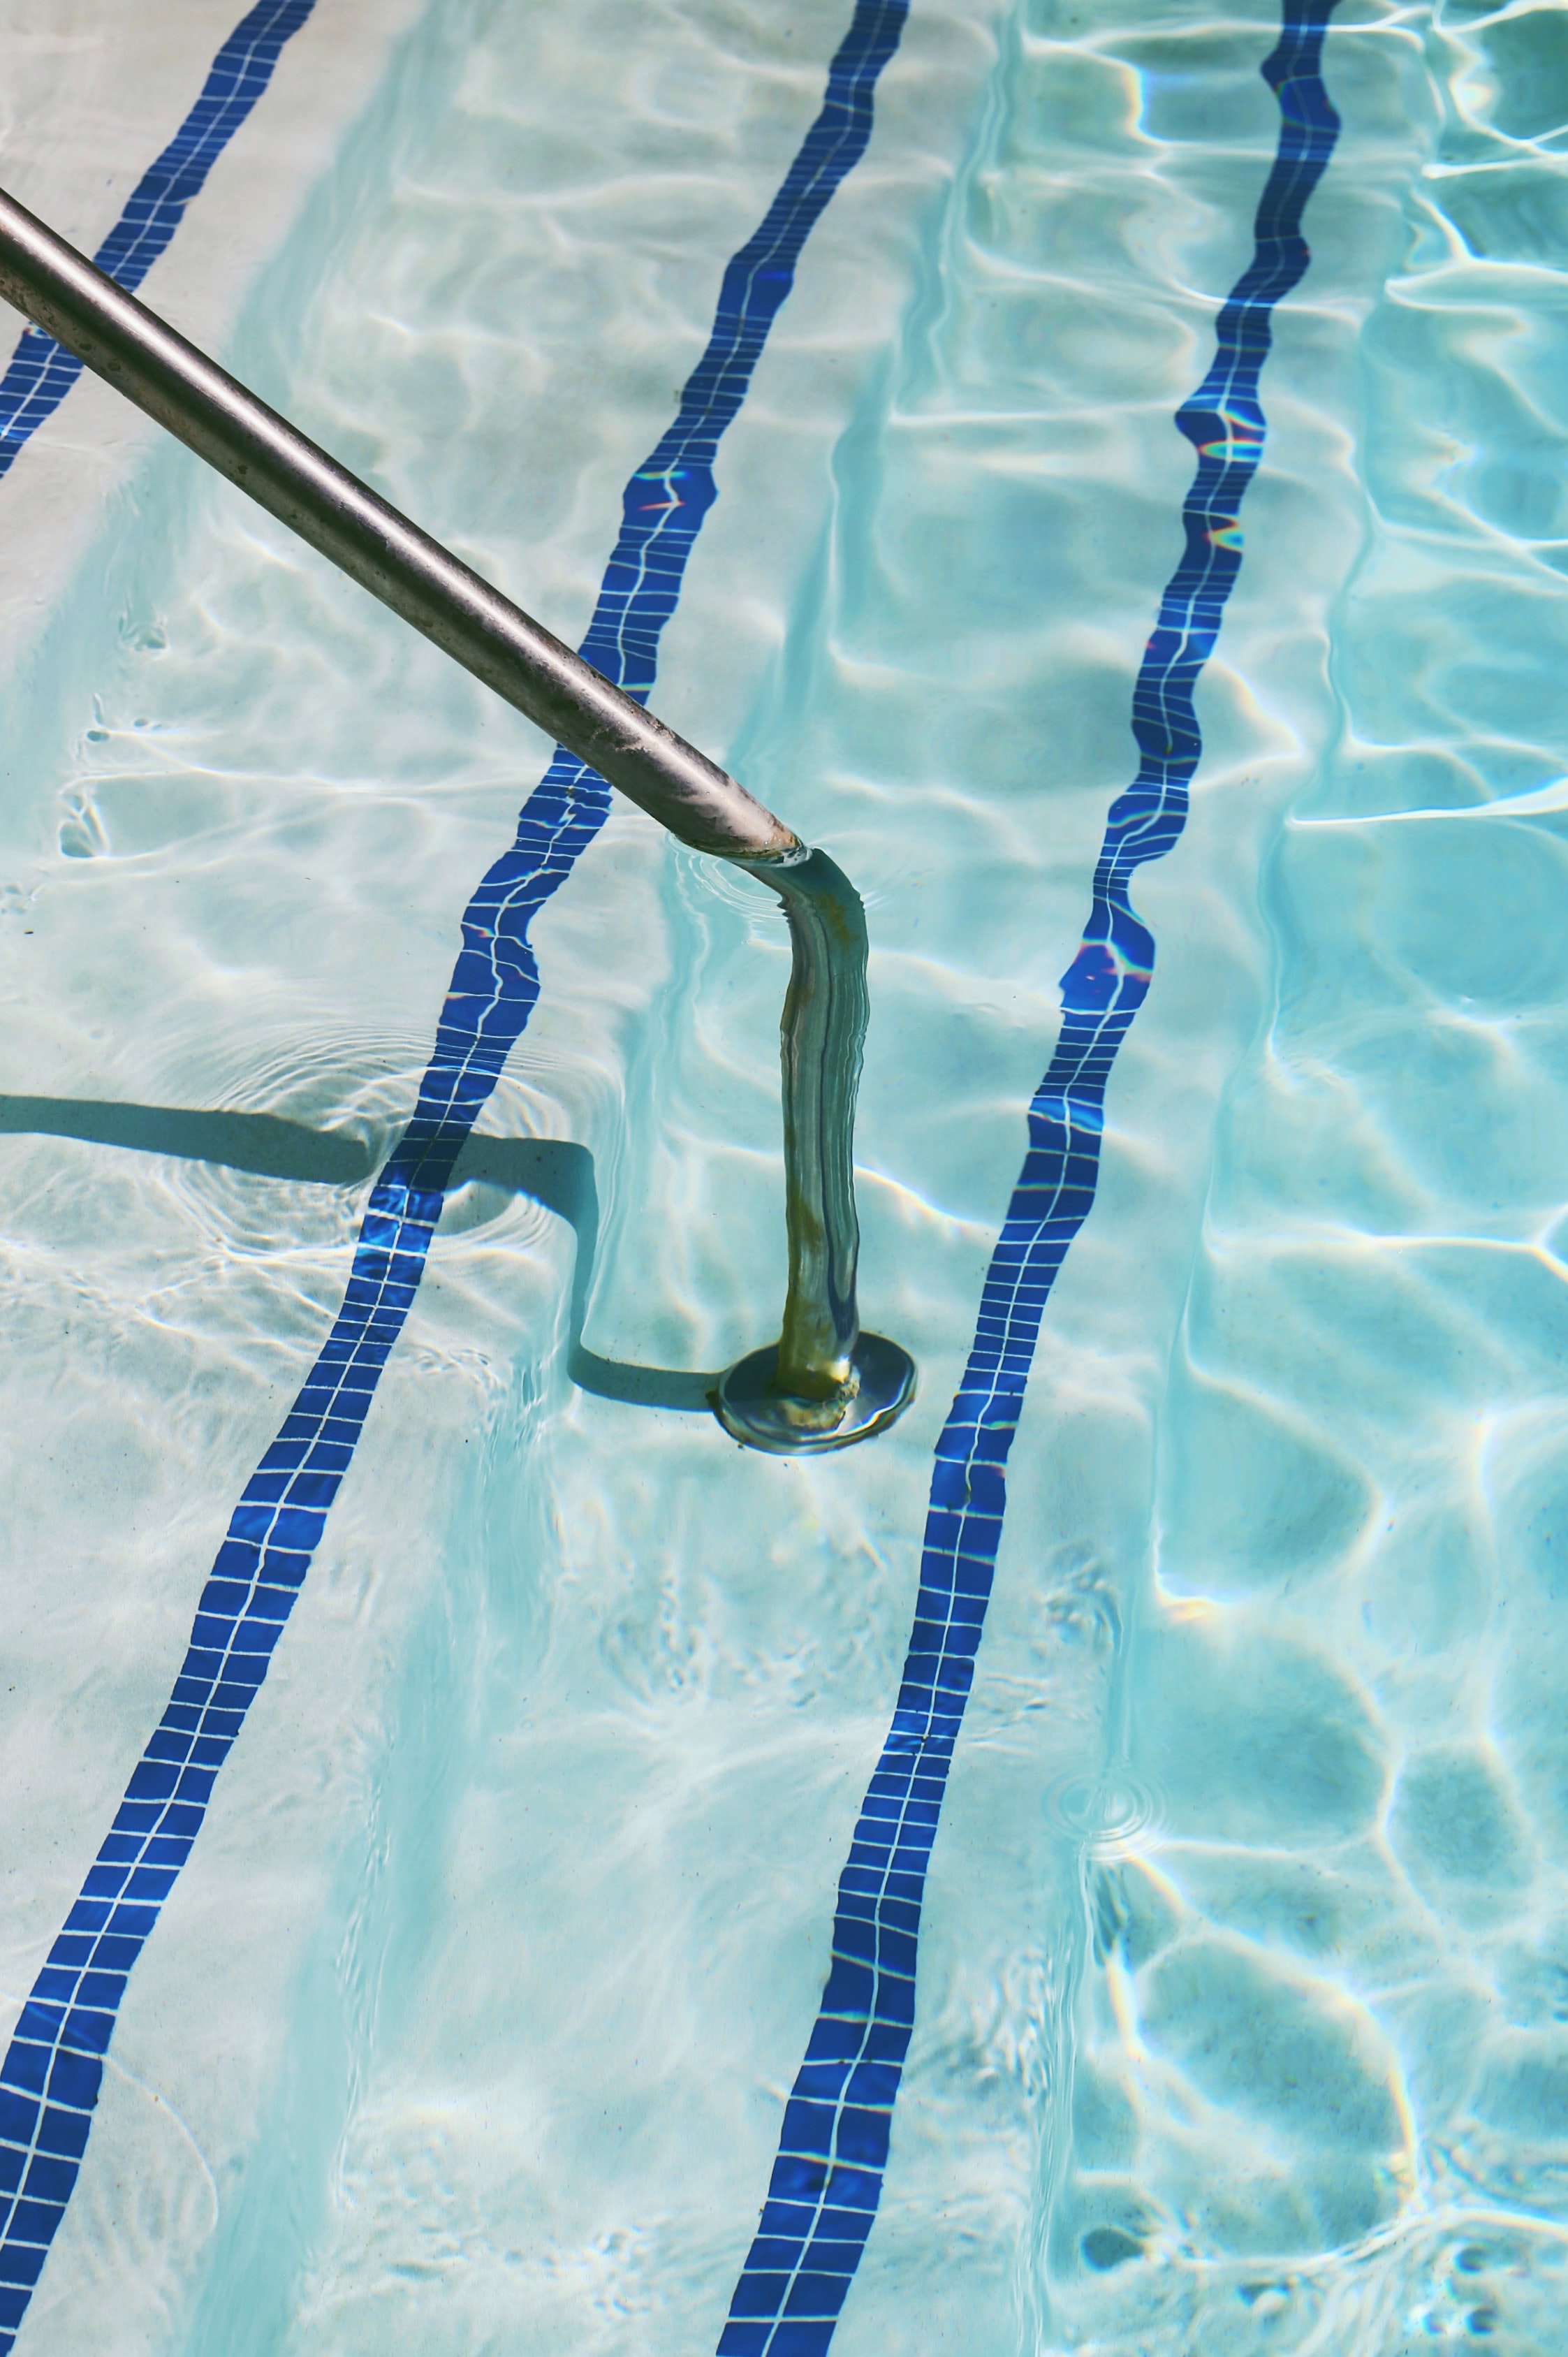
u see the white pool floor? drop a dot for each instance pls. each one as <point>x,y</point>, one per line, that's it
<point>469,2025</point>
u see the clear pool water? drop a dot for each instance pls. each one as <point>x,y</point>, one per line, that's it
<point>1241,2004</point>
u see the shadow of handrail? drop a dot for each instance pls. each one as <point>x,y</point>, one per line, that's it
<point>551,1172</point>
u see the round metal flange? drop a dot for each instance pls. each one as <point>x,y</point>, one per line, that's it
<point>753,1410</point>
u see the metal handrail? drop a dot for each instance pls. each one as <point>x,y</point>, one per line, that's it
<point>825,1382</point>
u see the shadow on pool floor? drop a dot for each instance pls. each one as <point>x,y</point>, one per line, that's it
<point>550,1171</point>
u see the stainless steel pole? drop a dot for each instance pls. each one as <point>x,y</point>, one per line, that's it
<point>119,339</point>
<point>824,1383</point>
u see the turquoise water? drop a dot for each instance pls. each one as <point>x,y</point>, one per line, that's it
<point>1243,1966</point>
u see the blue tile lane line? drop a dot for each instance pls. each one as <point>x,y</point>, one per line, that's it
<point>41,372</point>
<point>827,2179</point>
<point>51,2074</point>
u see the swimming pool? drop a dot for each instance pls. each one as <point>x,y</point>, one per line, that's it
<point>474,2019</point>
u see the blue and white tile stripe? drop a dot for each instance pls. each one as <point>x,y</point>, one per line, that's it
<point>50,2078</point>
<point>41,372</point>
<point>827,2179</point>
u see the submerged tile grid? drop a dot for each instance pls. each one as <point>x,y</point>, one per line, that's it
<point>51,2074</point>
<point>827,2179</point>
<point>41,372</point>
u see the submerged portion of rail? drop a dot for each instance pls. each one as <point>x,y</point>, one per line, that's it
<point>825,1382</point>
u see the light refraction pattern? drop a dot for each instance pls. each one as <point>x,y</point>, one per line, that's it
<point>50,2078</point>
<point>41,372</point>
<point>833,2151</point>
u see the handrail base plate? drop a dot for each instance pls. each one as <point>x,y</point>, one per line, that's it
<point>752,1409</point>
